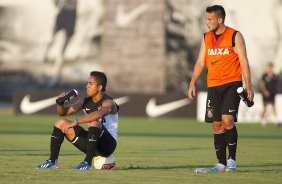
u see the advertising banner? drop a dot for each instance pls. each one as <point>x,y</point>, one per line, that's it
<point>150,105</point>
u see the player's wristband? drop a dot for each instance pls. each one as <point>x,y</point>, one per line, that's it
<point>76,121</point>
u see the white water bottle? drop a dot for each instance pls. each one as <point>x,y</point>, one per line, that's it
<point>243,95</point>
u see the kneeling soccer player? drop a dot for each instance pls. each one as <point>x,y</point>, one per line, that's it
<point>102,118</point>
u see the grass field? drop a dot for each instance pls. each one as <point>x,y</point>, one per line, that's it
<point>149,151</point>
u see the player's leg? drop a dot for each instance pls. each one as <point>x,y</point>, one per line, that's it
<point>277,122</point>
<point>213,115</point>
<point>230,106</point>
<point>78,137</point>
<point>220,146</point>
<point>104,158</point>
<point>262,116</point>
<point>57,138</point>
<point>93,137</point>
<point>231,135</point>
<point>106,145</point>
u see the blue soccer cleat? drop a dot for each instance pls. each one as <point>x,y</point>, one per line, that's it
<point>218,168</point>
<point>83,166</point>
<point>231,165</point>
<point>47,165</point>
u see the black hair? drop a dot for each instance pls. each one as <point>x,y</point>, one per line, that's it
<point>100,78</point>
<point>218,10</point>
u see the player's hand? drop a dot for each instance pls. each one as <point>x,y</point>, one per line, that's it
<point>191,91</point>
<point>62,94</point>
<point>250,92</point>
<point>68,126</point>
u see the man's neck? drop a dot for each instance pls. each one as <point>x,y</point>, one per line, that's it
<point>98,97</point>
<point>220,29</point>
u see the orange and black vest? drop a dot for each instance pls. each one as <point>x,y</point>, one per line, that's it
<point>221,60</point>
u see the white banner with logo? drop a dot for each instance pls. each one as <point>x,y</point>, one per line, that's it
<point>245,114</point>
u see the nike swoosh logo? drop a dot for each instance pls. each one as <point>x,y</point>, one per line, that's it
<point>154,110</point>
<point>231,110</point>
<point>213,63</point>
<point>122,100</point>
<point>231,144</point>
<point>124,19</point>
<point>28,107</point>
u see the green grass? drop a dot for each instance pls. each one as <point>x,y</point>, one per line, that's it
<point>149,151</point>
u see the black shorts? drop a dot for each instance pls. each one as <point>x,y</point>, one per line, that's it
<point>269,99</point>
<point>222,100</point>
<point>106,145</point>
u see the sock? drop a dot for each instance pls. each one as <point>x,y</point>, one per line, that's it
<point>231,139</point>
<point>220,147</point>
<point>57,139</point>
<point>92,142</point>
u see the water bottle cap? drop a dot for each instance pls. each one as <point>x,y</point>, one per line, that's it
<point>76,92</point>
<point>240,90</point>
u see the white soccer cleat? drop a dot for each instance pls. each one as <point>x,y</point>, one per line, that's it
<point>231,165</point>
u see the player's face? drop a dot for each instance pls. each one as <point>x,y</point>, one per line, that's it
<point>212,21</point>
<point>270,69</point>
<point>92,87</point>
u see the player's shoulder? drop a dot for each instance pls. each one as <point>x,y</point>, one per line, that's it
<point>107,99</point>
<point>106,96</point>
<point>231,29</point>
<point>111,100</point>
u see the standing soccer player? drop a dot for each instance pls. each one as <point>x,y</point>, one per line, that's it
<point>223,51</point>
<point>268,86</point>
<point>102,119</point>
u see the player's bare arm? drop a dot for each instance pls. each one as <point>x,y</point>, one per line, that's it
<point>108,107</point>
<point>242,55</point>
<point>198,69</point>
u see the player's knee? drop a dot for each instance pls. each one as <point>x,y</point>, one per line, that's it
<point>218,127</point>
<point>228,122</point>
<point>60,123</point>
<point>95,124</point>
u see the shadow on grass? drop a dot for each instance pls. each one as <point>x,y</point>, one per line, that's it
<point>265,167</point>
<point>142,134</point>
<point>241,169</point>
<point>33,152</point>
<point>137,167</point>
